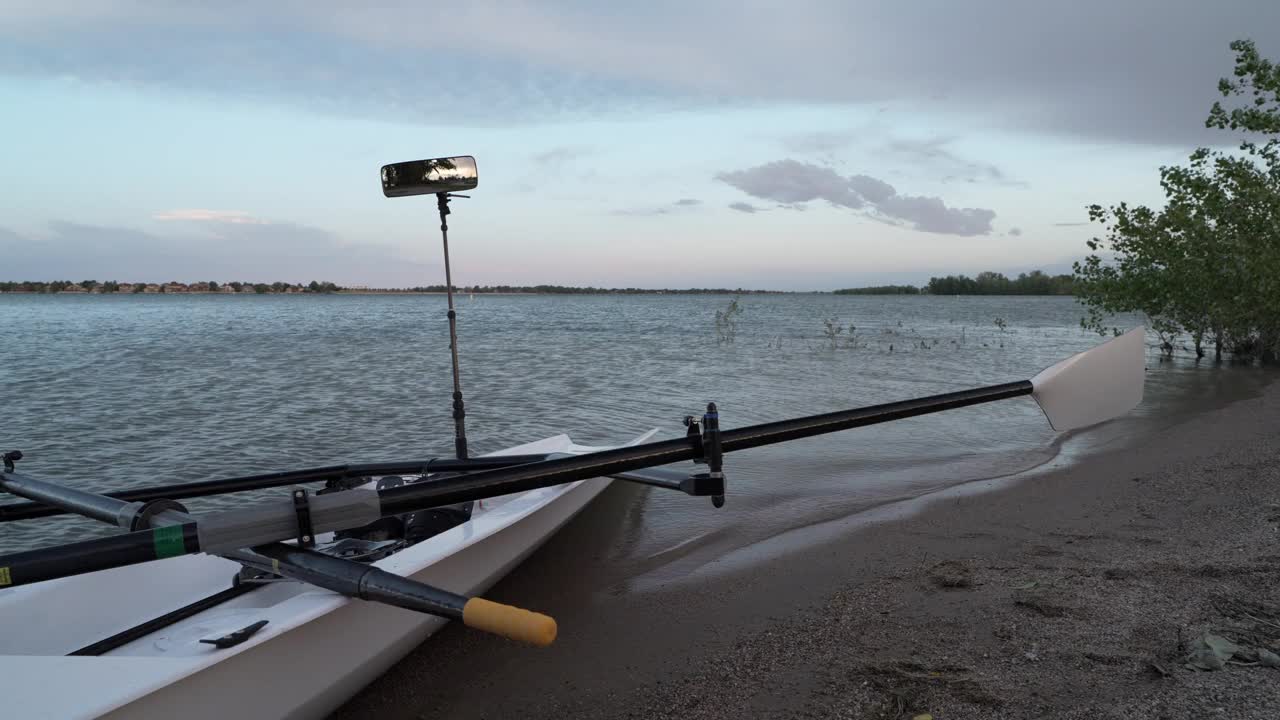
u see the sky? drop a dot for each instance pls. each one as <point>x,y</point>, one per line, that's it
<point>801,146</point>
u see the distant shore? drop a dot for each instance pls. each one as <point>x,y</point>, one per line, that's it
<point>986,283</point>
<point>91,287</point>
<point>509,293</point>
<point>529,292</point>
<point>442,292</point>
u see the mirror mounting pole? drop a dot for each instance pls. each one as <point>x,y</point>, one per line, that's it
<point>459,427</point>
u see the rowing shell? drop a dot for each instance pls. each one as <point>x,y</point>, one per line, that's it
<point>317,649</point>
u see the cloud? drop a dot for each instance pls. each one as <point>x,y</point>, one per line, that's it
<point>557,156</point>
<point>744,207</point>
<point>207,251</point>
<point>682,204</point>
<point>875,191</point>
<point>822,142</point>
<point>934,155</point>
<point>641,212</point>
<point>1127,78</point>
<point>238,217</point>
<point>792,183</point>
<point>1015,231</point>
<point>930,214</point>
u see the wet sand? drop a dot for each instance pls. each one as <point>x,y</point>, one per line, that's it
<point>1069,593</point>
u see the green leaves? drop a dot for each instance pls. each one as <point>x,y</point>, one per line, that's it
<point>1259,78</point>
<point>1205,265</point>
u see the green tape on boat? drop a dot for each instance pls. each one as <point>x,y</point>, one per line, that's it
<point>168,541</point>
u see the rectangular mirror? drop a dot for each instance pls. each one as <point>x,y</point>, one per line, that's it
<point>426,177</point>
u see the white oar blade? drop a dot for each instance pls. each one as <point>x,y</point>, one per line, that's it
<point>1094,385</point>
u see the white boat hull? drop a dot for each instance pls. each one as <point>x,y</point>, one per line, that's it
<point>317,650</point>
<point>348,648</point>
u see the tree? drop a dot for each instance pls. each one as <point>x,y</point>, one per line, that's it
<point>1207,264</point>
<point>994,283</point>
<point>213,286</point>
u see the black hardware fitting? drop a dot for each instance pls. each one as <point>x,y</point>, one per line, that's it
<point>694,436</point>
<point>302,506</point>
<point>704,439</point>
<point>142,519</point>
<point>702,484</point>
<point>344,483</point>
<point>235,638</point>
<point>10,458</point>
<point>442,202</point>
<point>712,451</point>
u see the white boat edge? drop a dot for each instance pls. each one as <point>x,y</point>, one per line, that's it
<point>317,650</point>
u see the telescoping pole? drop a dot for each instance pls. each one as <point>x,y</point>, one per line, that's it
<point>459,412</point>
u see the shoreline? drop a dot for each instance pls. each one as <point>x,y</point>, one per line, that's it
<point>1067,593</point>
<point>460,293</point>
<point>608,292</point>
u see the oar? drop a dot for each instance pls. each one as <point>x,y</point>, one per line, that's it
<point>371,583</point>
<point>1085,389</point>
<point>1082,390</point>
<point>178,529</point>
<point>205,488</point>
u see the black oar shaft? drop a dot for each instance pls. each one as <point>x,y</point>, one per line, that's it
<point>206,488</point>
<point>357,580</point>
<point>784,430</point>
<point>132,548</point>
<point>377,585</point>
<point>477,486</point>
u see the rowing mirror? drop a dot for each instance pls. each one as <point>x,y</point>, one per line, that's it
<point>426,177</point>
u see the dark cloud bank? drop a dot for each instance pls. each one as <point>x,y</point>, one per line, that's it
<point>1140,71</point>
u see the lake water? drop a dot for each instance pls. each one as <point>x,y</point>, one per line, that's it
<point>112,392</point>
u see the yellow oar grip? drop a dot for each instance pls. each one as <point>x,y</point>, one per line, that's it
<point>509,622</point>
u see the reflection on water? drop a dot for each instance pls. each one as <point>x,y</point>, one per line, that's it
<point>111,392</point>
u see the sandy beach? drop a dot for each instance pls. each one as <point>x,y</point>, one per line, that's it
<point>1071,593</point>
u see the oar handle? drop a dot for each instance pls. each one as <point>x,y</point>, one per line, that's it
<point>509,621</point>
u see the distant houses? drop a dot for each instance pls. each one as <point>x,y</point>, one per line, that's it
<point>170,288</point>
